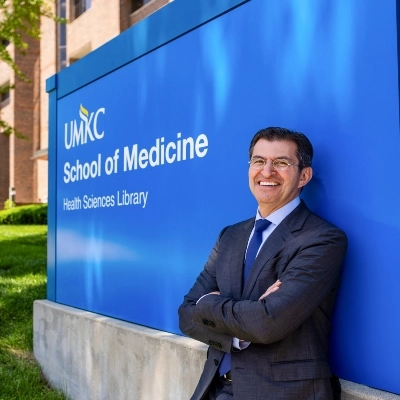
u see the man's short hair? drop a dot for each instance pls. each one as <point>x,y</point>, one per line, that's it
<point>304,147</point>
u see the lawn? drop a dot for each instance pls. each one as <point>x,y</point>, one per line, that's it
<point>22,280</point>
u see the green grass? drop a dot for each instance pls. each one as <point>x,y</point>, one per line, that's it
<point>22,280</point>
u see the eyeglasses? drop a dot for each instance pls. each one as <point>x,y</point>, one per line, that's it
<point>278,164</point>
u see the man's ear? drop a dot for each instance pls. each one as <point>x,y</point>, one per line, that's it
<point>305,176</point>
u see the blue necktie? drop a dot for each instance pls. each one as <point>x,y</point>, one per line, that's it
<point>252,250</point>
<point>254,246</point>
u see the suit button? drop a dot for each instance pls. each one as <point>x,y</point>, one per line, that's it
<point>205,322</point>
<point>212,324</point>
<point>216,362</point>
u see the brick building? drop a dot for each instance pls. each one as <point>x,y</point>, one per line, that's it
<point>91,23</point>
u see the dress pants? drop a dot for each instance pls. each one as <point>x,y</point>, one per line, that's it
<point>220,389</point>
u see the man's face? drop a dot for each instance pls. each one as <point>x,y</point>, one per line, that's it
<point>271,188</point>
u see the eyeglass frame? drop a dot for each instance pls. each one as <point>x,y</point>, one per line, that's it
<point>289,164</point>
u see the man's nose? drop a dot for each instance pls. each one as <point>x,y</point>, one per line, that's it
<point>268,168</point>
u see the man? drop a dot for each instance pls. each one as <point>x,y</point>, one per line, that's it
<point>267,321</point>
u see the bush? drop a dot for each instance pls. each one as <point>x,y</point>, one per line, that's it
<point>35,214</point>
<point>8,204</point>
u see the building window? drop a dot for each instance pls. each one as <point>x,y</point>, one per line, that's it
<point>62,36</point>
<point>79,7</point>
<point>136,4</point>
<point>4,95</point>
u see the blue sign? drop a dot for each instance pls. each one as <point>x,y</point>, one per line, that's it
<point>151,161</point>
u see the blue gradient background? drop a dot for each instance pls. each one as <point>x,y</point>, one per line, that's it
<point>328,69</point>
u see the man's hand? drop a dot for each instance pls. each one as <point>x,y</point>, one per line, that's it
<point>273,288</point>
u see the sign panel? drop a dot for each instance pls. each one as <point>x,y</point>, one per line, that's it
<point>152,164</point>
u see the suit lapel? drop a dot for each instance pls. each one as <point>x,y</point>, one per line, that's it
<point>282,234</point>
<point>237,258</point>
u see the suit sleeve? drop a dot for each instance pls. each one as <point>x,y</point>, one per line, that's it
<point>308,279</point>
<point>203,330</point>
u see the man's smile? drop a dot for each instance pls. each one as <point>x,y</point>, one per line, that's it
<point>268,183</point>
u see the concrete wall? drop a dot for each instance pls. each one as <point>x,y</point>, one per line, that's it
<point>90,356</point>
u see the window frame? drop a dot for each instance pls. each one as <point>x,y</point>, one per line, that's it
<point>5,94</point>
<point>79,7</point>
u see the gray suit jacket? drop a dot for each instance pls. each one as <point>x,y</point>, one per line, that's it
<point>288,330</point>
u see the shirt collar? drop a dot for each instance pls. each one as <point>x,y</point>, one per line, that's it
<point>281,213</point>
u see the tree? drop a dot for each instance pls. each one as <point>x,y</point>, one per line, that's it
<point>20,19</point>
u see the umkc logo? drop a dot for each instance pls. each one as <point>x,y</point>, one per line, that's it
<point>78,134</point>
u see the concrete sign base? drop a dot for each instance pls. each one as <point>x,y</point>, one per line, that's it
<point>90,356</point>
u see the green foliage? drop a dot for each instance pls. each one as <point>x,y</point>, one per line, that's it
<point>35,214</point>
<point>20,19</point>
<point>9,204</point>
<point>22,280</point>
<point>7,130</point>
